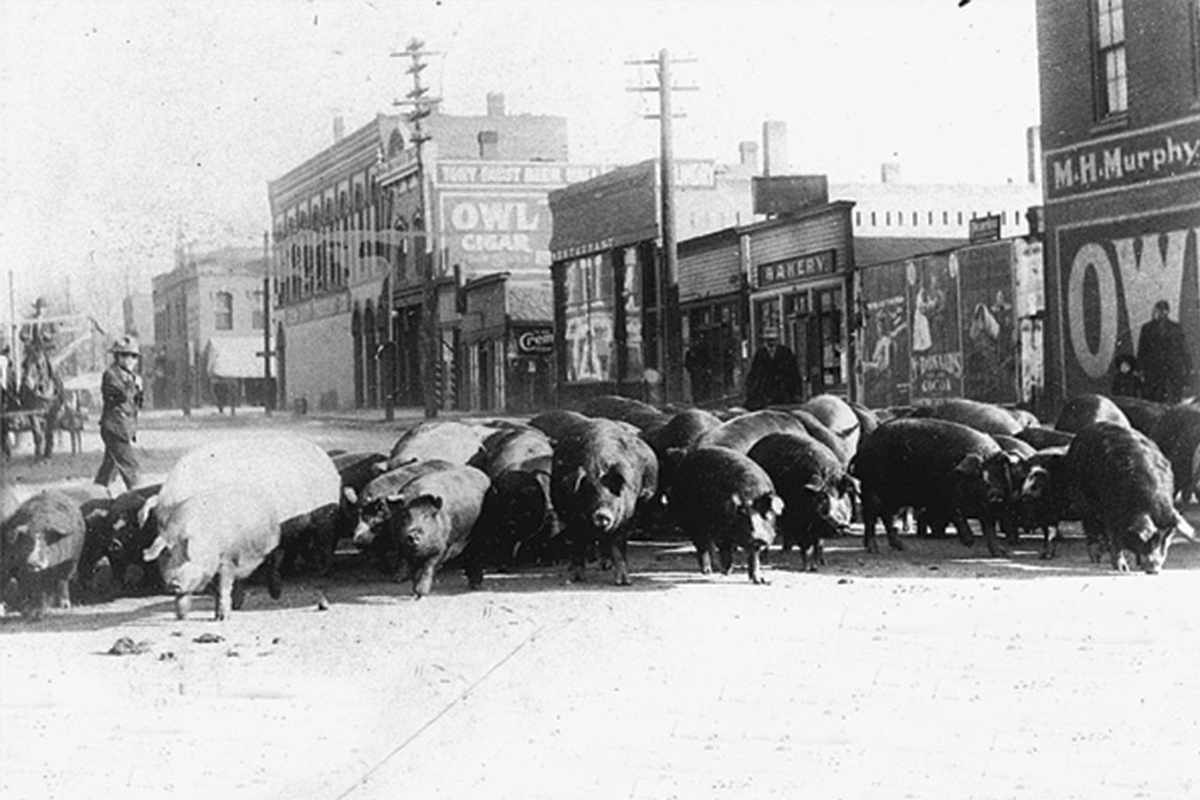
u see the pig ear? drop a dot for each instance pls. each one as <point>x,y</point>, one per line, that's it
<point>776,504</point>
<point>350,495</point>
<point>145,510</point>
<point>971,465</point>
<point>851,485</point>
<point>814,484</point>
<point>1183,528</point>
<point>380,467</point>
<point>155,550</point>
<point>426,500</point>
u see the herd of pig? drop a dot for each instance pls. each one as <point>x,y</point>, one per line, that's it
<point>574,486</point>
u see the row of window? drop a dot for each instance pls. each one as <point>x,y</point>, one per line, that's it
<point>873,218</point>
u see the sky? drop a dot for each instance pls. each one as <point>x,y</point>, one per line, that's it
<point>122,123</point>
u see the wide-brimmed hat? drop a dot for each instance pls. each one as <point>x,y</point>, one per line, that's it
<point>125,344</point>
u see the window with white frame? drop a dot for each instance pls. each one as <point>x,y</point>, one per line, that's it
<point>1112,85</point>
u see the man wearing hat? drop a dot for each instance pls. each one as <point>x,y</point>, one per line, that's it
<point>121,389</point>
<point>774,376</point>
<point>1163,356</point>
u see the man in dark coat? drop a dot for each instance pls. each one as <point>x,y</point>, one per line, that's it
<point>1163,356</point>
<point>121,389</point>
<point>774,377</point>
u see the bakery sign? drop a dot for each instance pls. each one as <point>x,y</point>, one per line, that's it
<point>794,269</point>
<point>536,341</point>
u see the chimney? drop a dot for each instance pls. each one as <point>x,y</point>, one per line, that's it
<point>1033,153</point>
<point>775,155</point>
<point>889,172</point>
<point>495,104</point>
<point>748,152</point>
<point>339,128</point>
<point>489,145</point>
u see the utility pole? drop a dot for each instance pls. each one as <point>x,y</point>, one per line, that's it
<point>266,311</point>
<point>670,340</point>
<point>431,339</point>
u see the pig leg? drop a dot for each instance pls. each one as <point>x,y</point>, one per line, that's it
<point>63,600</point>
<point>752,559</point>
<point>995,549</point>
<point>275,573</point>
<point>869,511</point>
<point>1092,529</point>
<point>965,534</point>
<point>183,604</point>
<point>237,595</point>
<point>225,592</point>
<point>474,570</point>
<point>726,552</point>
<point>1049,542</point>
<point>618,549</point>
<point>423,577</point>
<point>704,555</point>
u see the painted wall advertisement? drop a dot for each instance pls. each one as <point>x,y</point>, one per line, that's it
<point>495,217</point>
<point>936,371</point>
<point>989,341</point>
<point>1111,275</point>
<point>885,352</point>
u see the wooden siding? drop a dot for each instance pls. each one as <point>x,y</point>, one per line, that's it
<point>809,235</point>
<point>709,272</point>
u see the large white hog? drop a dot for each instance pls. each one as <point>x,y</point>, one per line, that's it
<point>237,500</point>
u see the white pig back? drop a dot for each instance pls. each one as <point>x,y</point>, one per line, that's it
<point>292,474</point>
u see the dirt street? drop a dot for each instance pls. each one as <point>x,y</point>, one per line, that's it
<point>932,673</point>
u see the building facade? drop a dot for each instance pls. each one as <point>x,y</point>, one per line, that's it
<point>365,226</point>
<point>209,330</point>
<point>1120,132</point>
<point>610,287</point>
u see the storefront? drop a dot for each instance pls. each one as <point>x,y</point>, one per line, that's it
<point>507,344</point>
<point>800,270</point>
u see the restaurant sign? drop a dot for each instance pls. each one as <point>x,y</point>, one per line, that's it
<point>794,269</point>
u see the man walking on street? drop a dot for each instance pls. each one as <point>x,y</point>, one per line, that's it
<point>121,389</point>
<point>1163,356</point>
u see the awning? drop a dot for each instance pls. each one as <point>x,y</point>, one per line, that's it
<point>236,357</point>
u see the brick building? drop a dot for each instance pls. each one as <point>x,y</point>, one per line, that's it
<point>208,330</point>
<point>1120,132</point>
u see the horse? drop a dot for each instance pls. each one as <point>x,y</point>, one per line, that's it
<point>40,396</point>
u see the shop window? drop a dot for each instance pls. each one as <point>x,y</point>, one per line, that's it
<point>1112,86</point>
<point>223,307</point>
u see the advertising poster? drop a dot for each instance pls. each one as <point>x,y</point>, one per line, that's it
<point>589,315</point>
<point>936,371</point>
<point>1111,275</point>
<point>885,341</point>
<point>989,345</point>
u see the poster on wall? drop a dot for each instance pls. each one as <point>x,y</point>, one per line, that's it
<point>589,318</point>
<point>1111,275</point>
<point>936,371</point>
<point>885,349</point>
<point>989,322</point>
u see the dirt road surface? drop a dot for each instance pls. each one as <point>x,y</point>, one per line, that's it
<point>932,673</point>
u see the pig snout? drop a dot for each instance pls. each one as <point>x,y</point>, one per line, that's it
<point>38,559</point>
<point>363,534</point>
<point>603,519</point>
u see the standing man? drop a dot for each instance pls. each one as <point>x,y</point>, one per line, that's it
<point>1163,356</point>
<point>122,392</point>
<point>774,377</point>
